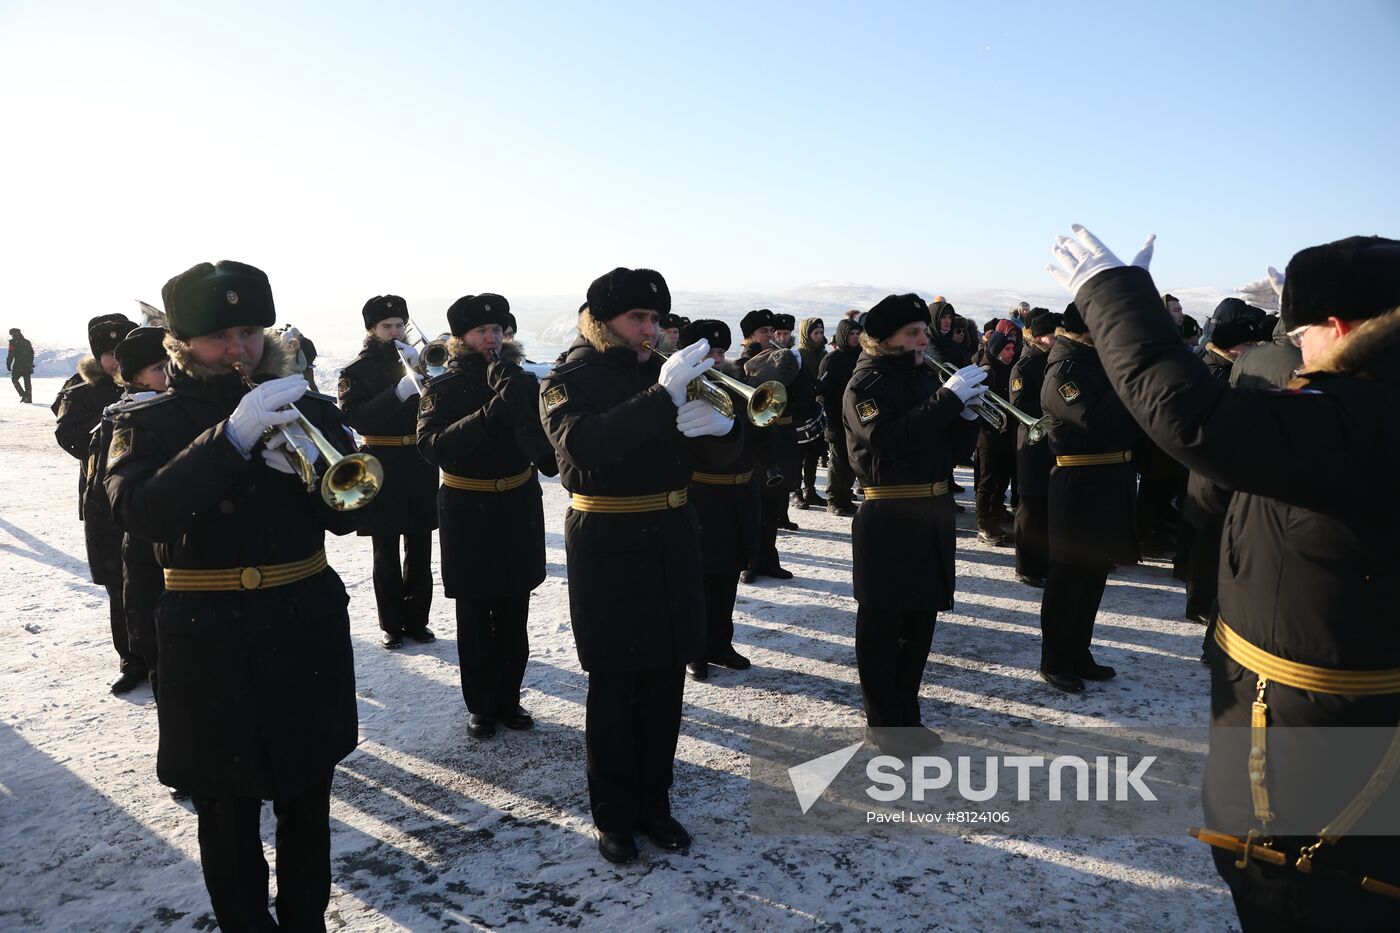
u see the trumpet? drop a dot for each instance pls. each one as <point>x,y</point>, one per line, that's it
<point>765,402</point>
<point>350,482</point>
<point>995,409</point>
<point>432,354</point>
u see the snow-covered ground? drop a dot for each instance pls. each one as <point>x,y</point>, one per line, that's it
<point>432,830</point>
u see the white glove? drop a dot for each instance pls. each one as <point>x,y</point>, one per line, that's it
<point>276,455</point>
<point>265,406</point>
<point>697,419</point>
<point>979,394</point>
<point>1266,293</point>
<point>1084,256</point>
<point>407,387</point>
<point>967,382</point>
<point>410,354</point>
<point>683,367</point>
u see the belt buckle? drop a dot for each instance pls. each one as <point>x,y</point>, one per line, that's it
<point>675,498</point>
<point>250,578</point>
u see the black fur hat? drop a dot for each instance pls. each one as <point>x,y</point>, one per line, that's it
<point>381,307</point>
<point>144,346</point>
<point>893,312</point>
<point>784,322</point>
<point>671,320</point>
<point>1351,279</point>
<point>104,318</point>
<point>477,310</point>
<point>104,337</point>
<point>207,298</point>
<point>716,332</point>
<point>1043,324</point>
<point>1072,321</point>
<point>754,320</point>
<point>623,290</point>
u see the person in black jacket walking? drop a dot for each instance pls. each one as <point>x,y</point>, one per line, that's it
<point>832,376</point>
<point>479,422</point>
<point>1304,634</point>
<point>1092,487</point>
<point>380,400</point>
<point>628,442</point>
<point>79,414</point>
<point>257,675</point>
<point>897,417</point>
<point>19,360</point>
<point>1033,461</point>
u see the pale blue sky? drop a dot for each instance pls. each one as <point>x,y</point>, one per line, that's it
<point>446,148</point>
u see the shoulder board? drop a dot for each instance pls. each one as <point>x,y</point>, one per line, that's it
<point>568,367</point>
<point>318,395</point>
<point>121,408</point>
<point>436,380</point>
<point>866,379</point>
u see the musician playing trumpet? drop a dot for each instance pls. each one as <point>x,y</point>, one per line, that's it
<point>379,391</point>
<point>257,677</point>
<point>480,423</point>
<point>897,418</point>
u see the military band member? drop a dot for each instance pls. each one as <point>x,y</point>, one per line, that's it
<point>776,450</point>
<point>257,677</point>
<point>833,374</point>
<point>1091,494</point>
<point>77,378</point>
<point>479,422</point>
<point>1305,634</point>
<point>669,338</point>
<point>80,411</point>
<point>628,443</point>
<point>727,505</point>
<point>380,400</point>
<point>1033,461</point>
<point>897,419</point>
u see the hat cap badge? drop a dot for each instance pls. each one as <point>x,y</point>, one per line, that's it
<point>654,288</point>
<point>486,307</point>
<point>231,296</point>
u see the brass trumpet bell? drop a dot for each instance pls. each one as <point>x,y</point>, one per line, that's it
<point>764,403</point>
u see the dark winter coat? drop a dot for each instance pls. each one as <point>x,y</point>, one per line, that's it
<point>78,419</point>
<point>729,514</point>
<point>19,360</point>
<point>257,687</point>
<point>1033,461</point>
<point>777,444</point>
<point>470,423</point>
<point>407,502</point>
<point>635,580</point>
<point>1091,507</point>
<point>68,385</point>
<point>897,418</point>
<point>1308,560</point>
<point>1267,365</point>
<point>832,376</point>
<point>998,381</point>
<point>1206,502</point>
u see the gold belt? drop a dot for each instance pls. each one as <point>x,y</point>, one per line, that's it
<point>245,578</point>
<point>622,504</point>
<point>1074,460</point>
<point>380,440</point>
<point>915,491</point>
<point>1304,676</point>
<point>487,485</point>
<point>721,479</point>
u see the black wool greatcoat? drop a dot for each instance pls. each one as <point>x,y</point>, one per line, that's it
<point>408,501</point>
<point>1033,461</point>
<point>1308,560</point>
<point>79,415</point>
<point>777,444</point>
<point>636,597</point>
<point>257,687</point>
<point>492,542</point>
<point>897,417</point>
<point>729,515</point>
<point>1091,507</point>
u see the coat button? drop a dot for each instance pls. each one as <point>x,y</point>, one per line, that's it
<point>226,507</point>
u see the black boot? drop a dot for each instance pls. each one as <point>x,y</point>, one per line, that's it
<point>618,848</point>
<point>130,679</point>
<point>811,498</point>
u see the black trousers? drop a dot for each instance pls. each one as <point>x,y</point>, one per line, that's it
<point>891,653</point>
<point>493,647</point>
<point>631,724</point>
<point>121,638</point>
<point>1033,536</point>
<point>403,594</point>
<point>26,391</point>
<point>1067,611</point>
<point>142,586</point>
<point>1203,566</point>
<point>841,477</point>
<point>773,506</point>
<point>720,591</point>
<point>994,466</point>
<point>235,872</point>
<point>811,454</point>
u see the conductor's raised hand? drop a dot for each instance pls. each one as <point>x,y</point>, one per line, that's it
<point>1080,257</point>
